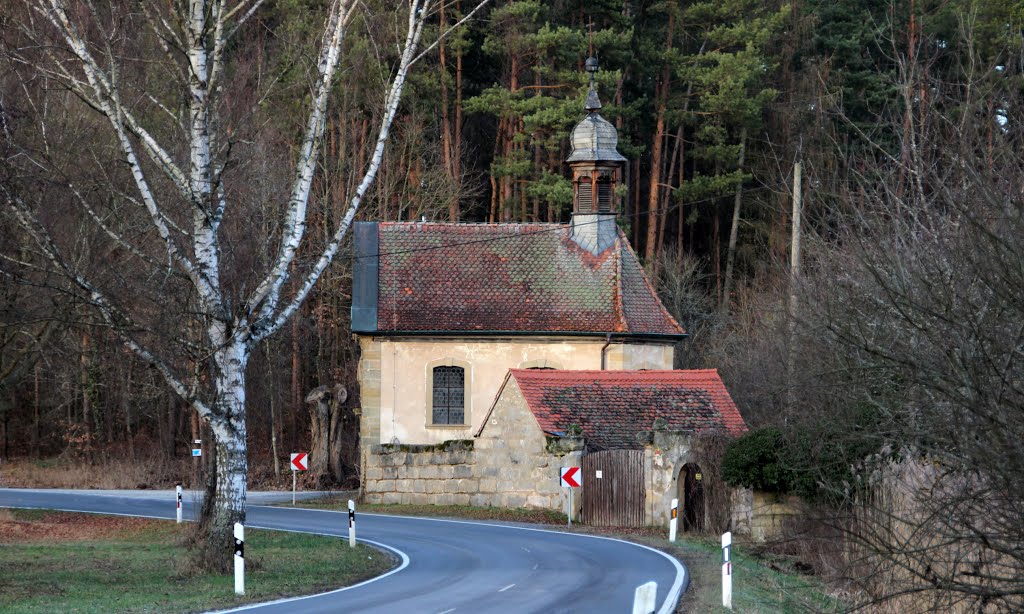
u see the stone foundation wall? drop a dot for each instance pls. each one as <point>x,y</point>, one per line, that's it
<point>769,513</point>
<point>443,474</point>
<point>665,453</point>
<point>742,508</point>
<point>511,464</point>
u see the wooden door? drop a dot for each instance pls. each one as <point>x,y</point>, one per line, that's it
<point>613,488</point>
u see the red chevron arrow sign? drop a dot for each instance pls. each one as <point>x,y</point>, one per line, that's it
<point>570,477</point>
<point>300,462</point>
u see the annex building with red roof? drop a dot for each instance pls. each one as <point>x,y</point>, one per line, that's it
<point>526,344</point>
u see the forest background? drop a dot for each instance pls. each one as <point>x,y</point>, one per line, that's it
<point>894,323</point>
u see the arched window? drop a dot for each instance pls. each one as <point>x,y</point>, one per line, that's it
<point>584,194</point>
<point>449,397</point>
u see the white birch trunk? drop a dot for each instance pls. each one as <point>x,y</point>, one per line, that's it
<point>227,421</point>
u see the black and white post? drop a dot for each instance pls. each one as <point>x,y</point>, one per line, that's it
<point>727,569</point>
<point>177,489</point>
<point>351,523</point>
<point>239,559</point>
<point>672,524</point>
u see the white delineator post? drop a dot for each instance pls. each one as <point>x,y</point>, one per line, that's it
<point>674,521</point>
<point>351,523</point>
<point>239,559</point>
<point>727,569</point>
<point>177,488</point>
<point>570,506</point>
<point>645,597</point>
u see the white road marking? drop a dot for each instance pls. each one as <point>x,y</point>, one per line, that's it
<point>525,548</point>
<point>667,606</point>
<point>447,611</point>
<point>502,590</point>
<point>535,566</point>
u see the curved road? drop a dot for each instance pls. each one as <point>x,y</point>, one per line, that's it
<point>446,566</point>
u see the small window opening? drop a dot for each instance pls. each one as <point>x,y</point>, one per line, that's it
<point>585,198</point>
<point>604,195</point>
<point>449,399</point>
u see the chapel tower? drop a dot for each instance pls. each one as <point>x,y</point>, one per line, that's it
<point>596,170</point>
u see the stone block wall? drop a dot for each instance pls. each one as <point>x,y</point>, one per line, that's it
<point>442,474</point>
<point>510,464</point>
<point>369,389</point>
<point>760,515</point>
<point>526,461</point>
<point>664,456</point>
<point>769,512</point>
<point>742,508</point>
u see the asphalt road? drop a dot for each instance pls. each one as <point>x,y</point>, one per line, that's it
<point>445,566</point>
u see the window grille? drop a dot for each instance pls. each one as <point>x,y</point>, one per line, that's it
<point>604,195</point>
<point>449,401</point>
<point>585,196</point>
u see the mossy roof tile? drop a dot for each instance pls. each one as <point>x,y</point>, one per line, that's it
<point>510,277</point>
<point>611,407</point>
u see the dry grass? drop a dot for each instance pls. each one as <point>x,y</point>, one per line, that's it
<point>121,473</point>
<point>113,474</point>
<point>63,527</point>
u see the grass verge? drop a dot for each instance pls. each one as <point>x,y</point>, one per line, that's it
<point>465,512</point>
<point>760,584</point>
<point>64,562</point>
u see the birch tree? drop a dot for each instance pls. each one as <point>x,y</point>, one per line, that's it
<point>174,144</point>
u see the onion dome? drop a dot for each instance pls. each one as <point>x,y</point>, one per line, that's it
<point>595,138</point>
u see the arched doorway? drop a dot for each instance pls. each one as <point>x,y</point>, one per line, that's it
<point>690,491</point>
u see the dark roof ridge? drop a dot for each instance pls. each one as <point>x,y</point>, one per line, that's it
<point>620,313</point>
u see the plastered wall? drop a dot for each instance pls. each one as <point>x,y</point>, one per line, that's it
<point>395,377</point>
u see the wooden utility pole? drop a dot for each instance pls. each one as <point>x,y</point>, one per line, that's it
<point>794,278</point>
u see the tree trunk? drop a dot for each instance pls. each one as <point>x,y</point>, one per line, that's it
<point>457,157</point>
<point>127,407</point>
<point>273,414</point>
<point>227,424</point>
<point>35,416</point>
<point>669,174</point>
<point>86,383</point>
<point>296,404</point>
<point>325,421</point>
<point>730,257</point>
<point>661,95</point>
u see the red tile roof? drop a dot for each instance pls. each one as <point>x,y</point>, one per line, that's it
<point>510,277</point>
<point>612,406</point>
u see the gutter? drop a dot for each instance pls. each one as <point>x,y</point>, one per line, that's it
<point>665,337</point>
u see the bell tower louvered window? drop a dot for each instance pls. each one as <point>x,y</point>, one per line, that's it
<point>604,195</point>
<point>585,196</point>
<point>449,398</point>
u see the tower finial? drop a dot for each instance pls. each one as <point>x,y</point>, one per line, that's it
<point>593,103</point>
